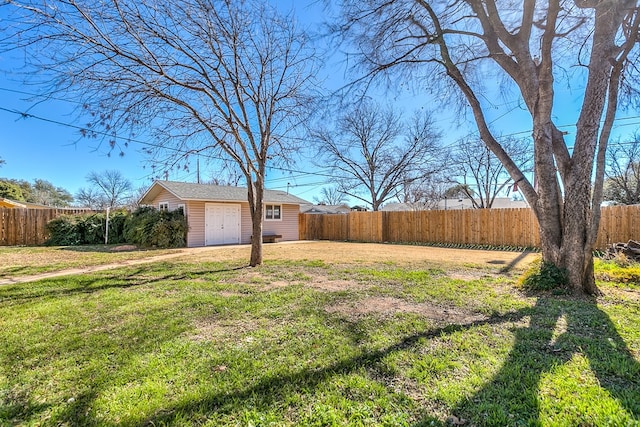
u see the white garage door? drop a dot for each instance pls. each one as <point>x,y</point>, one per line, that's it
<point>221,224</point>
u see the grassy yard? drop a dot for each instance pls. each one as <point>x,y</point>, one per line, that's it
<point>350,334</point>
<point>24,261</point>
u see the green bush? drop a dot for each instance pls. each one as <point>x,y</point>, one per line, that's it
<point>69,230</point>
<point>91,229</point>
<point>63,231</point>
<point>148,227</point>
<point>544,276</point>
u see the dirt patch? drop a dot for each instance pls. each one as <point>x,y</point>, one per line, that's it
<point>230,294</point>
<point>389,306</point>
<point>275,285</point>
<point>619,295</point>
<point>212,330</point>
<point>325,284</point>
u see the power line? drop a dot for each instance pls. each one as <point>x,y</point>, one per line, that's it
<point>300,173</point>
<point>26,115</point>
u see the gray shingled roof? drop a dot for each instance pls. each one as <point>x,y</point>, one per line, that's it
<point>219,193</point>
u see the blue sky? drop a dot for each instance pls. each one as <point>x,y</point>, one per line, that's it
<point>47,146</point>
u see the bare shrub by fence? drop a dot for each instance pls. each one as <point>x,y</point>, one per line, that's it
<point>28,226</point>
<point>496,227</point>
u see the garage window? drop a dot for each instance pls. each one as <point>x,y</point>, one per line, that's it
<point>273,212</point>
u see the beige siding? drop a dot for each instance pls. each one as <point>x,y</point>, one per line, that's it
<point>245,220</point>
<point>195,219</point>
<point>287,227</point>
<point>165,196</point>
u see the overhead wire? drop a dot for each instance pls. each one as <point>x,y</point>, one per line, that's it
<point>299,173</point>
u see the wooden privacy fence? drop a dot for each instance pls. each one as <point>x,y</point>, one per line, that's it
<point>28,226</point>
<point>496,227</point>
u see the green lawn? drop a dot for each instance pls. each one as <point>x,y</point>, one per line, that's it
<point>28,260</point>
<point>313,343</point>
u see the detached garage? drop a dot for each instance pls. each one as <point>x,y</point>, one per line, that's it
<point>219,215</point>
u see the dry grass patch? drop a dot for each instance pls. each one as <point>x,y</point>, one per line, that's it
<point>389,306</point>
<point>365,253</point>
<point>324,283</point>
<point>212,329</point>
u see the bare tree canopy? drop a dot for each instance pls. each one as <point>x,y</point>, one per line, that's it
<point>622,183</point>
<point>108,189</point>
<point>372,153</point>
<point>425,193</point>
<point>529,46</point>
<point>90,197</point>
<point>226,79</point>
<point>482,175</point>
<point>331,196</point>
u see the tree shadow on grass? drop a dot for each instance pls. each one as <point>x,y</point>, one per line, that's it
<point>559,329</point>
<point>514,262</point>
<point>270,391</point>
<point>95,282</point>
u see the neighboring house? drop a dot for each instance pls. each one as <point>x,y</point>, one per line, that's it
<point>325,209</point>
<point>7,203</point>
<point>458,203</point>
<point>498,203</point>
<point>219,215</point>
<point>14,204</point>
<point>358,208</point>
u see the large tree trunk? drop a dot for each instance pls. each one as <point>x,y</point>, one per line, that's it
<point>256,196</point>
<point>256,237</point>
<point>570,251</point>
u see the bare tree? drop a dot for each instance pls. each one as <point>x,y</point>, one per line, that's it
<point>622,183</point>
<point>133,202</point>
<point>90,197</point>
<point>331,196</point>
<point>226,175</point>
<point>372,153</point>
<point>225,79</point>
<point>425,193</point>
<point>482,177</point>
<point>528,45</point>
<point>109,189</point>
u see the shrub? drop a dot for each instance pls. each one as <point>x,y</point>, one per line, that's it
<point>544,276</point>
<point>69,230</point>
<point>63,231</point>
<point>148,227</point>
<point>91,229</point>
